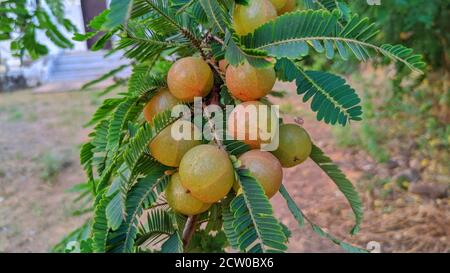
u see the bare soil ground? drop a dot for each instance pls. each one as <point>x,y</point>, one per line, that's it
<point>39,139</point>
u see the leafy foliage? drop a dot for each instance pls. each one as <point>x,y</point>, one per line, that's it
<point>158,225</point>
<point>228,217</point>
<point>341,181</point>
<point>142,81</point>
<point>173,244</point>
<point>254,223</point>
<point>100,228</point>
<point>138,144</point>
<point>298,215</point>
<point>417,102</point>
<point>120,11</point>
<point>202,241</point>
<point>235,147</point>
<point>217,14</point>
<point>332,99</point>
<point>80,234</point>
<point>125,111</point>
<point>122,239</point>
<point>236,55</point>
<point>423,29</point>
<point>104,110</point>
<point>20,22</point>
<point>324,34</point>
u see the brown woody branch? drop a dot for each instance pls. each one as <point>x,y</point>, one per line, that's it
<point>188,231</point>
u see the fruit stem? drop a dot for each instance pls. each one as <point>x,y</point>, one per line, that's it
<point>158,205</point>
<point>217,39</point>
<point>216,138</point>
<point>188,231</point>
<point>217,69</point>
<point>196,43</point>
<point>214,99</point>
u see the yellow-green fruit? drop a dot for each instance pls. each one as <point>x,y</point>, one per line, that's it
<point>294,145</point>
<point>266,168</point>
<point>190,77</point>
<point>248,83</point>
<point>180,200</point>
<point>278,4</point>
<point>248,18</point>
<point>207,172</point>
<point>244,123</point>
<point>162,101</point>
<point>290,5</point>
<point>169,151</point>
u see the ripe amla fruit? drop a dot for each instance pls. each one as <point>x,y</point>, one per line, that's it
<point>248,18</point>
<point>248,124</point>
<point>288,7</point>
<point>163,100</point>
<point>207,172</point>
<point>248,83</point>
<point>180,199</point>
<point>265,167</point>
<point>294,145</point>
<point>190,77</point>
<point>169,151</point>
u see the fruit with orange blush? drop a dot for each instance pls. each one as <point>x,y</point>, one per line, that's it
<point>162,101</point>
<point>190,77</point>
<point>251,122</point>
<point>247,83</point>
<point>265,167</point>
<point>248,18</point>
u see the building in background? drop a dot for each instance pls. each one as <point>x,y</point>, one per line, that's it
<point>60,65</point>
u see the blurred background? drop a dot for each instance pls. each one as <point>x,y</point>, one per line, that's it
<point>397,157</point>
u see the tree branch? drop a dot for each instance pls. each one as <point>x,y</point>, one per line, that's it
<point>188,231</point>
<point>217,39</point>
<point>213,64</point>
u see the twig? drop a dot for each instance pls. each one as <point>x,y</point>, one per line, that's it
<point>188,231</point>
<point>158,205</point>
<point>217,69</point>
<point>217,39</point>
<point>216,137</point>
<point>197,44</point>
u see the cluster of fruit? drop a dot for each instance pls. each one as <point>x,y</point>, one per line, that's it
<point>205,172</point>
